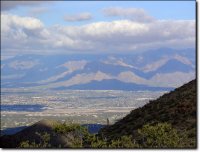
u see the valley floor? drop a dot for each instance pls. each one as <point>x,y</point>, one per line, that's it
<point>26,108</point>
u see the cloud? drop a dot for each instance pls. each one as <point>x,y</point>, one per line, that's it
<point>30,35</point>
<point>8,5</point>
<point>37,11</point>
<point>14,21</point>
<point>78,17</point>
<point>135,14</point>
<point>19,34</point>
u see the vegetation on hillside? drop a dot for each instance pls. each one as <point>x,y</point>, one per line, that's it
<point>161,135</point>
<point>177,108</point>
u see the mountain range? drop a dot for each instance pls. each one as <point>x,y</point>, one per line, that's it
<point>161,69</point>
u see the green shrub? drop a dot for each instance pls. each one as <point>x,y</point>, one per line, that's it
<point>161,135</point>
<point>98,143</point>
<point>65,128</point>
<point>44,142</point>
<point>123,142</point>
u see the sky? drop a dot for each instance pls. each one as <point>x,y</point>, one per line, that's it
<point>36,27</point>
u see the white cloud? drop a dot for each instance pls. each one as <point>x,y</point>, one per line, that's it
<point>128,35</point>
<point>78,17</point>
<point>16,22</point>
<point>135,14</point>
<point>19,34</point>
<point>30,35</point>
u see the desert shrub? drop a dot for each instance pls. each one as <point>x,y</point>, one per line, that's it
<point>155,135</point>
<point>123,142</point>
<point>80,134</point>
<point>27,144</point>
<point>161,135</point>
<point>65,128</point>
<point>98,143</point>
<point>44,142</point>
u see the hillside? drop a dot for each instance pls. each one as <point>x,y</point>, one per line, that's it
<point>177,108</point>
<point>36,133</point>
<point>51,134</point>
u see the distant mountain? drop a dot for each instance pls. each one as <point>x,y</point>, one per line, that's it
<point>92,128</point>
<point>11,131</point>
<point>113,85</point>
<point>177,108</point>
<point>160,68</point>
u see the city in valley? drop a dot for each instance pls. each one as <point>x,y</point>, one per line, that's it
<point>23,108</point>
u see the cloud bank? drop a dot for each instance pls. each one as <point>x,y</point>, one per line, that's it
<point>30,35</point>
<point>134,14</point>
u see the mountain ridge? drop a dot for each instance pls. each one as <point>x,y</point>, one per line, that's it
<point>177,107</point>
<point>52,71</point>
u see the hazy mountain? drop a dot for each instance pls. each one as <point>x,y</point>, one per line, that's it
<point>154,68</point>
<point>113,85</point>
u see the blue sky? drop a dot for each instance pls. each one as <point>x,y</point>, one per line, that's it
<point>96,26</point>
<point>183,10</point>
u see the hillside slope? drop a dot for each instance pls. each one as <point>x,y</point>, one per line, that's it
<point>177,108</point>
<point>36,132</point>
